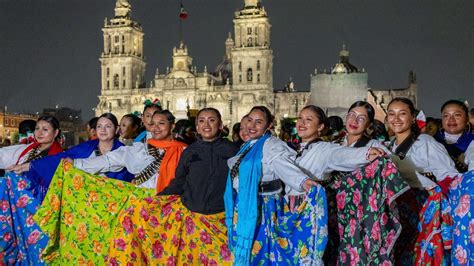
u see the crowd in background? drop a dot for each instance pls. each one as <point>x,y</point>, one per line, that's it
<point>150,189</point>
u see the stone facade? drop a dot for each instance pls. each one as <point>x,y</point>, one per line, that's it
<point>335,90</point>
<point>242,80</point>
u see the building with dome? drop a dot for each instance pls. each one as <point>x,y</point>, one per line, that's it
<point>335,90</point>
<point>242,80</point>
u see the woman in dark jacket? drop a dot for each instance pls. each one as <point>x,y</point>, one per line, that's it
<point>189,213</point>
<point>202,170</point>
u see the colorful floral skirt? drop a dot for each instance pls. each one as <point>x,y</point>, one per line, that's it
<point>331,253</point>
<point>409,206</point>
<point>367,215</point>
<point>78,215</point>
<point>461,197</point>
<point>22,241</point>
<point>283,237</point>
<point>435,230</point>
<point>160,230</point>
<point>427,235</point>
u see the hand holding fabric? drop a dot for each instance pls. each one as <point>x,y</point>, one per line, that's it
<point>19,168</point>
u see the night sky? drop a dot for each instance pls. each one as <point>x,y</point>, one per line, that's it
<point>49,49</point>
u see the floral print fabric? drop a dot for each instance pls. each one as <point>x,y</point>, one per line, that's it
<point>283,237</point>
<point>368,222</point>
<point>79,212</point>
<point>409,206</point>
<point>462,210</point>
<point>22,241</point>
<point>160,230</point>
<point>435,230</point>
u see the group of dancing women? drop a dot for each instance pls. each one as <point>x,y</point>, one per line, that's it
<point>365,199</point>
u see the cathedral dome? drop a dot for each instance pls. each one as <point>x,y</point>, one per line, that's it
<point>339,68</point>
<point>344,66</point>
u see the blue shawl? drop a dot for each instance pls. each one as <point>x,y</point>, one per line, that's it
<point>141,137</point>
<point>460,146</point>
<point>250,173</point>
<point>42,170</point>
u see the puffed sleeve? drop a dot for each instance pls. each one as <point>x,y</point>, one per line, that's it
<point>341,158</point>
<point>281,159</point>
<point>9,155</point>
<point>135,158</point>
<point>439,162</point>
<point>469,156</point>
<point>323,157</point>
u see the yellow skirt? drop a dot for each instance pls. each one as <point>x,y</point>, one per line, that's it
<point>160,230</point>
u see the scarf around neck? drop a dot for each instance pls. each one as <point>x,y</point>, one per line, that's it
<point>53,149</point>
<point>250,172</point>
<point>173,150</point>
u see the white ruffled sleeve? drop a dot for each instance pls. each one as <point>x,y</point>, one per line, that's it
<point>9,155</point>
<point>281,160</point>
<point>135,158</point>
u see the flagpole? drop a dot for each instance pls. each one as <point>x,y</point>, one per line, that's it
<point>180,23</point>
<point>182,16</point>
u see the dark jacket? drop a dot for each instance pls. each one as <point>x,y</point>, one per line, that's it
<point>201,175</point>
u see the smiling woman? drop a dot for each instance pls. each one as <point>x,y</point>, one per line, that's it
<point>360,182</point>
<point>22,240</point>
<point>427,167</point>
<point>456,134</point>
<point>42,170</point>
<point>152,163</point>
<point>129,128</point>
<point>257,215</point>
<point>189,210</point>
<point>91,209</point>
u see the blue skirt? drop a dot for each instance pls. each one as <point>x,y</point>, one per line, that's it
<point>285,237</point>
<point>22,241</point>
<point>461,199</point>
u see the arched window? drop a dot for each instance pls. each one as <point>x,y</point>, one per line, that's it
<point>258,78</point>
<point>116,81</point>
<point>109,43</point>
<point>249,41</point>
<point>249,75</point>
<point>258,64</point>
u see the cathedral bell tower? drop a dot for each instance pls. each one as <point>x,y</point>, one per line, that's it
<point>252,57</point>
<point>122,61</point>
